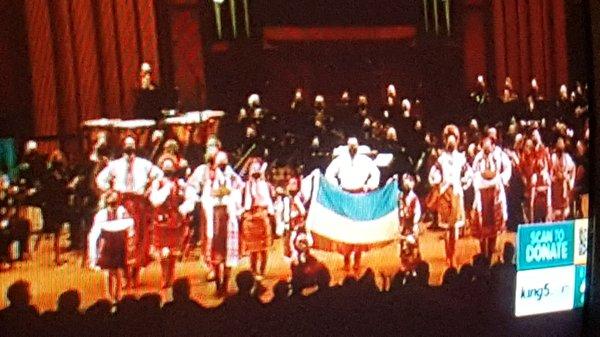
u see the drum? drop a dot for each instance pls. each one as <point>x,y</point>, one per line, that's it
<point>141,129</point>
<point>93,129</point>
<point>193,127</point>
<point>182,128</point>
<point>210,126</point>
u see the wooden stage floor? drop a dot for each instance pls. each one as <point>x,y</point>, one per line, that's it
<point>48,281</point>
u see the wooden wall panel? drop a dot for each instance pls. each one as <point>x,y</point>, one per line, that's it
<point>41,55</point>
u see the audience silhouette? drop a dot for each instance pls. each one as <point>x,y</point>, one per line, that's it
<point>475,301</point>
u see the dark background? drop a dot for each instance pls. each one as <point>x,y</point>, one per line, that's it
<point>220,74</point>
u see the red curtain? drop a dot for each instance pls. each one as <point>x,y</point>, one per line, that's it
<point>41,58</point>
<point>529,40</point>
<point>187,56</point>
<point>85,57</point>
<point>475,45</point>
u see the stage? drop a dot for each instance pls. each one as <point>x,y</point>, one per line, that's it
<point>48,281</point>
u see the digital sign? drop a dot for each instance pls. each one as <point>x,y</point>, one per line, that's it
<point>544,290</point>
<point>545,245</point>
<point>551,267</point>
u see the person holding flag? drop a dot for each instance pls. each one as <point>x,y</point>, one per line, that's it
<point>355,173</point>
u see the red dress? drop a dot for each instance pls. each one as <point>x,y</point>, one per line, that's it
<point>170,227</point>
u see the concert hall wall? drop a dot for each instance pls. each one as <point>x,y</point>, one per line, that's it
<point>84,59</point>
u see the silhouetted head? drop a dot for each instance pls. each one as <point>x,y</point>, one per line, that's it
<point>181,289</point>
<point>466,274</point>
<point>349,282</point>
<point>323,278</point>
<point>99,309</point>
<point>367,281</point>
<point>481,266</point>
<point>508,253</point>
<point>150,301</point>
<point>281,290</point>
<point>422,270</point>
<point>450,276</point>
<point>245,282</point>
<point>19,294</point>
<point>128,305</point>
<point>69,301</point>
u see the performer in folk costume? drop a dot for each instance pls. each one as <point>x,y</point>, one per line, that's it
<point>490,196</point>
<point>171,149</point>
<point>538,182</point>
<point>131,176</point>
<point>220,199</point>
<point>290,217</point>
<point>562,176</point>
<point>256,236</point>
<point>108,242</point>
<point>410,215</point>
<point>448,177</point>
<point>354,173</point>
<point>174,201</point>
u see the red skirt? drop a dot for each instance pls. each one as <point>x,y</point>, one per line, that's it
<point>540,206</point>
<point>255,231</point>
<point>558,199</point>
<point>139,209</point>
<point>170,237</point>
<point>112,250</point>
<point>491,214</point>
<point>218,244</point>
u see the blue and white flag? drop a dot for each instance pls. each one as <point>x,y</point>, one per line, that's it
<point>357,219</point>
